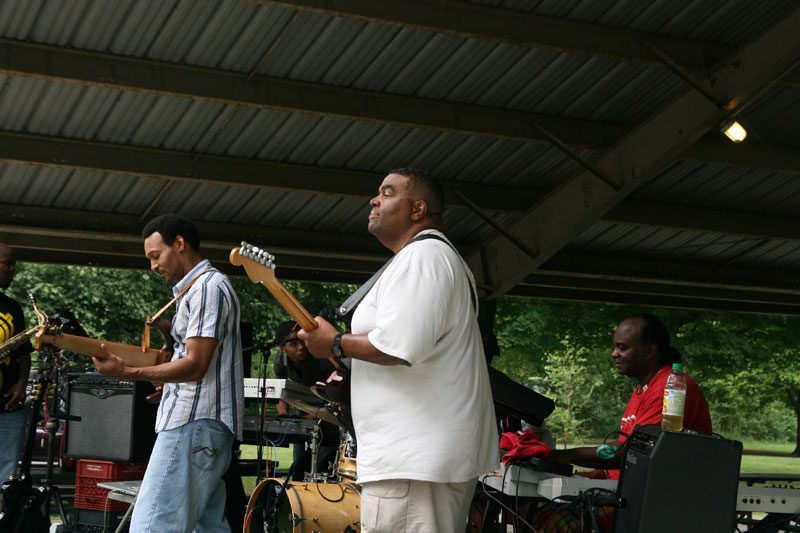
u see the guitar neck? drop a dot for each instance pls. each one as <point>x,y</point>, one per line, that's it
<point>132,355</point>
<point>290,304</point>
<point>260,269</point>
<point>294,308</point>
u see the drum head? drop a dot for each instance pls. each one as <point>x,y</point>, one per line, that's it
<point>271,511</point>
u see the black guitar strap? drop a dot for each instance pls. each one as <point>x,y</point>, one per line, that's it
<point>350,304</point>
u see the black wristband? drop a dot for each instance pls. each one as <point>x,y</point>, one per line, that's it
<point>336,349</point>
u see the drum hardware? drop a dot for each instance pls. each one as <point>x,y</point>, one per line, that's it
<point>296,519</point>
<point>346,462</point>
<point>314,447</point>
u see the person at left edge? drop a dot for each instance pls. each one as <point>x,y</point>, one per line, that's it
<point>14,370</point>
<point>202,403</point>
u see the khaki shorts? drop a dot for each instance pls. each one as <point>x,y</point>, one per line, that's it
<point>403,505</point>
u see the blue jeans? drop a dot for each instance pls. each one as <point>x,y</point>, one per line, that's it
<point>12,428</point>
<point>183,489</point>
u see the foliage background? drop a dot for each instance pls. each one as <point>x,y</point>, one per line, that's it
<point>747,365</point>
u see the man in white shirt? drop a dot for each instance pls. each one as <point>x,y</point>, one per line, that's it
<point>421,399</point>
<point>202,403</point>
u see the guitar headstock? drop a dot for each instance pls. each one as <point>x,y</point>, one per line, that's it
<point>260,267</point>
<point>47,338</point>
<point>259,264</point>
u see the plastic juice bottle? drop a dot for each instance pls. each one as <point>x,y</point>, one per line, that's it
<point>674,400</point>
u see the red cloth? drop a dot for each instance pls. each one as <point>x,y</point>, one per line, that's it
<point>523,444</point>
<point>645,406</point>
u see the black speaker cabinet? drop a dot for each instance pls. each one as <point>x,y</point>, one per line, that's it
<point>117,423</point>
<point>677,482</point>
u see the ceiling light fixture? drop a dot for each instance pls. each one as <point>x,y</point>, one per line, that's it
<point>734,131</point>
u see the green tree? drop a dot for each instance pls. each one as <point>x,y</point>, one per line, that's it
<point>565,349</point>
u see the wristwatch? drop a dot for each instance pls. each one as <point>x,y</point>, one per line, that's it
<point>336,349</point>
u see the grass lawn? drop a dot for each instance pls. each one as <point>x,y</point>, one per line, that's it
<point>769,457</point>
<point>282,455</point>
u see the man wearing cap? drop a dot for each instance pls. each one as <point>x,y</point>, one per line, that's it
<point>294,362</point>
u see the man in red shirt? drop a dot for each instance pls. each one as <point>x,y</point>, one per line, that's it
<point>642,351</point>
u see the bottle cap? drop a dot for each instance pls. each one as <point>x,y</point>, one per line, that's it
<point>677,366</point>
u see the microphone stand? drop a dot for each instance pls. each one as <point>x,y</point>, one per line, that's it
<point>262,390</point>
<point>55,414</point>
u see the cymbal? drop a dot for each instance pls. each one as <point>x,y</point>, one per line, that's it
<point>319,411</point>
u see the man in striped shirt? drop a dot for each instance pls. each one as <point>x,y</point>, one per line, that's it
<point>202,403</point>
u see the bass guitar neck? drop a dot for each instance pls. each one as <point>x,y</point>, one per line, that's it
<point>132,355</point>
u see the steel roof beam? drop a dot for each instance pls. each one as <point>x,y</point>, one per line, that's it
<point>227,87</point>
<point>31,227</point>
<point>169,79</point>
<point>80,248</point>
<point>683,217</point>
<point>98,245</point>
<point>744,155</point>
<point>655,301</point>
<point>650,269</point>
<point>33,220</point>
<point>569,272</point>
<point>34,255</point>
<point>521,28</point>
<point>659,288</point>
<point>575,205</point>
<point>138,161</point>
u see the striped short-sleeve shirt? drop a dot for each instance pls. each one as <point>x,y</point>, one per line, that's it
<point>208,309</point>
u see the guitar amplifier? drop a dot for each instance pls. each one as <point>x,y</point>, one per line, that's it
<point>677,482</point>
<point>117,423</point>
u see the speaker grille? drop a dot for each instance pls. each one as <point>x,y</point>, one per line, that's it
<point>117,424</point>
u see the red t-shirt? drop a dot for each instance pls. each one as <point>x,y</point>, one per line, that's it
<point>645,406</point>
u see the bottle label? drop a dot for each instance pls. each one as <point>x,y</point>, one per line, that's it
<point>674,401</point>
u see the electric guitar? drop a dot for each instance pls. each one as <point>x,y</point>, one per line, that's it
<point>49,336</point>
<point>260,268</point>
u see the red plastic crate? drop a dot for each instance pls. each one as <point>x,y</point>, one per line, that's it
<point>110,470</point>
<point>96,499</point>
<point>89,496</point>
